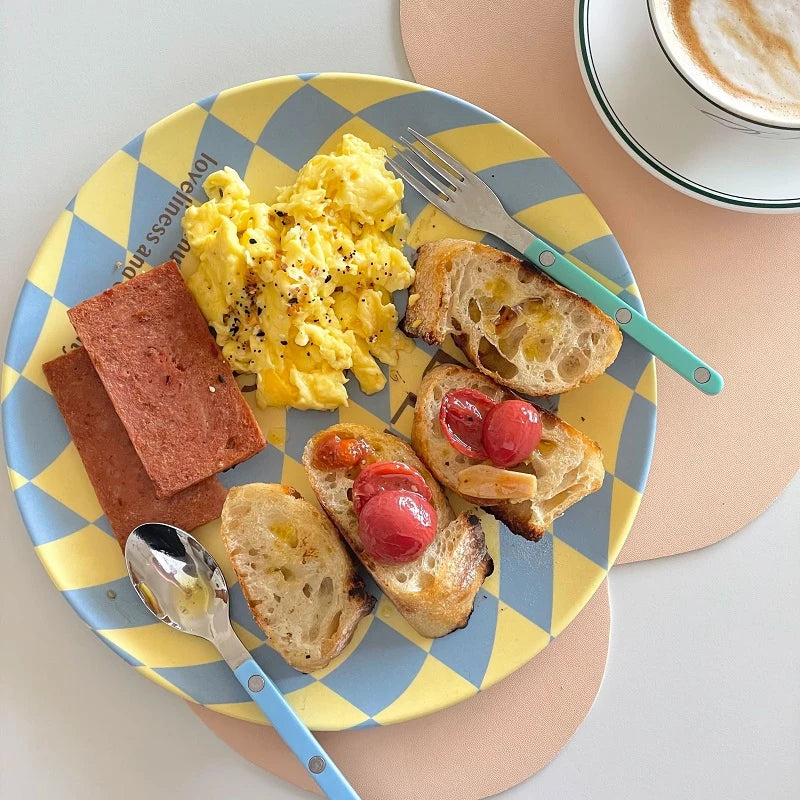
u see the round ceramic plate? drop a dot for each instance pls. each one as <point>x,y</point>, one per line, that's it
<point>266,131</point>
<point>653,117</point>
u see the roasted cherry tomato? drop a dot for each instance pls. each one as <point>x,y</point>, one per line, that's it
<point>396,527</point>
<point>461,416</point>
<point>334,452</point>
<point>386,476</point>
<point>511,432</point>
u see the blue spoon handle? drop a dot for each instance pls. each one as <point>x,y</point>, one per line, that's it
<point>301,741</point>
<point>631,322</point>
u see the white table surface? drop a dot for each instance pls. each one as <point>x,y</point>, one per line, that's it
<point>701,697</point>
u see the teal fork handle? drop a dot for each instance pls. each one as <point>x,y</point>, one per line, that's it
<point>301,741</point>
<point>630,321</point>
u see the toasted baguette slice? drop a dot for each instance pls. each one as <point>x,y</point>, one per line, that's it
<point>296,575</point>
<point>567,465</point>
<point>513,323</point>
<point>435,593</point>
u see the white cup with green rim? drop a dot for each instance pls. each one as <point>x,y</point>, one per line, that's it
<point>741,58</point>
<point>665,104</point>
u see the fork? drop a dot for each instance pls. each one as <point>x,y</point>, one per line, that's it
<point>461,194</point>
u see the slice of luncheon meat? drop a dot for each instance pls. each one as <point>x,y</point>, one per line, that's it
<point>125,492</point>
<point>171,387</point>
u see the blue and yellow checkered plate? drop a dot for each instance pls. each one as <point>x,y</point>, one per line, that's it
<point>267,131</point>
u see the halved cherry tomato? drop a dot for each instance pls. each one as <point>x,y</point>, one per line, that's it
<point>511,432</point>
<point>334,452</point>
<point>461,416</point>
<point>386,476</point>
<point>396,527</point>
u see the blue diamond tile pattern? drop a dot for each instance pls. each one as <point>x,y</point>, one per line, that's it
<point>217,137</point>
<point>206,683</point>
<point>44,514</point>
<point>111,605</point>
<point>585,526</point>
<point>378,671</point>
<point>265,467</point>
<point>34,433</point>
<point>605,256</point>
<point>301,125</point>
<point>528,183</point>
<point>526,577</point>
<point>89,263</point>
<point>456,650</point>
<point>29,317</point>
<point>639,429</point>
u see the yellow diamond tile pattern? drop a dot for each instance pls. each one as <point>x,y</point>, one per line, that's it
<point>358,127</point>
<point>163,682</point>
<point>598,409</point>
<point>88,557</point>
<point>236,108</point>
<point>10,378</point>
<point>169,146</point>
<point>294,475</point>
<point>355,94</point>
<point>491,530</point>
<point>247,712</point>
<point>77,494</point>
<point>432,224</point>
<point>248,640</point>
<point>647,383</point>
<point>358,637</point>
<point>516,641</point>
<point>15,479</point>
<point>319,706</point>
<point>482,146</point>
<point>624,505</point>
<point>208,535</point>
<point>173,648</point>
<point>386,612</point>
<point>47,265</point>
<point>434,679</point>
<point>56,332</point>
<point>567,222</point>
<point>265,174</point>
<point>106,199</point>
<point>575,580</point>
<point>598,276</point>
<point>356,415</point>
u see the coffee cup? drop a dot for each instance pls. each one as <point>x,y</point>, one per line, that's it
<point>741,58</point>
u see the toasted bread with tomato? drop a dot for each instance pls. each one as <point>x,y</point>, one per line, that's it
<point>436,592</point>
<point>568,465</point>
<point>295,572</point>
<point>515,324</point>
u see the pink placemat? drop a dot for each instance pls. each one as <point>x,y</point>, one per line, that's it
<point>723,282</point>
<point>475,749</point>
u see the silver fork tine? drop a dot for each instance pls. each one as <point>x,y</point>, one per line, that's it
<point>460,170</point>
<point>431,196</point>
<point>444,174</point>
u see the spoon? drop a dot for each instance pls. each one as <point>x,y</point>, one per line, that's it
<point>182,585</point>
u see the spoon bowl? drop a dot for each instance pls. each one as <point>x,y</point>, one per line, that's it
<point>177,579</point>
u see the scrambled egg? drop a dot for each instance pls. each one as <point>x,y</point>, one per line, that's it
<point>300,291</point>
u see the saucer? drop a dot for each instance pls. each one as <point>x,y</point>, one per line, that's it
<point>650,111</point>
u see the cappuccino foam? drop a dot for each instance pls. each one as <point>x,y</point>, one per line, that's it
<point>743,53</point>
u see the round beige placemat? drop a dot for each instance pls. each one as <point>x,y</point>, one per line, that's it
<point>723,282</point>
<point>461,753</point>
